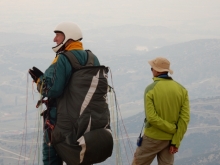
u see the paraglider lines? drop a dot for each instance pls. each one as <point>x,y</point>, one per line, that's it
<point>25,124</point>
<point>114,106</point>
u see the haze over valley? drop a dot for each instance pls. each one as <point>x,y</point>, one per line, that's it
<point>124,36</point>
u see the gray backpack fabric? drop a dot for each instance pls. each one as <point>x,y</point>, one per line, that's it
<point>82,133</point>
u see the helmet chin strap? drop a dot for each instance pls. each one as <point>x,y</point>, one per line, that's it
<point>58,48</point>
<point>62,46</point>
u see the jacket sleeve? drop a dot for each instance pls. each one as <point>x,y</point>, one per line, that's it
<point>55,78</point>
<point>154,119</point>
<point>182,123</point>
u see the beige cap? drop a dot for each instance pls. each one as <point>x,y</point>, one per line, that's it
<point>160,64</point>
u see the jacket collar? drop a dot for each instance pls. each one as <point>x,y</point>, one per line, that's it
<point>162,78</point>
<point>74,46</point>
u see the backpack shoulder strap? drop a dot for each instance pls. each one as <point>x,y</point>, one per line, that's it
<point>72,59</point>
<point>75,63</point>
<point>90,58</point>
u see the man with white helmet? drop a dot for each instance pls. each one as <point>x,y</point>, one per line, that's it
<point>53,82</point>
<point>66,33</point>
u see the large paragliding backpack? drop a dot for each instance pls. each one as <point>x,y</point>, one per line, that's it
<point>84,108</point>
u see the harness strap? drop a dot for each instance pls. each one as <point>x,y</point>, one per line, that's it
<point>75,63</point>
<point>90,58</point>
<point>49,124</point>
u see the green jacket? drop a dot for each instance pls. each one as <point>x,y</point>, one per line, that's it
<point>167,110</point>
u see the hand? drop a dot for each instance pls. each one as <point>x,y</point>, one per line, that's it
<point>35,73</point>
<point>173,149</point>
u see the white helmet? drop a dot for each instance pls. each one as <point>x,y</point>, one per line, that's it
<point>70,31</point>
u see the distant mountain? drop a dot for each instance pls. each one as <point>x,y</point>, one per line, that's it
<point>195,65</point>
<point>212,158</point>
<point>18,38</point>
<point>126,39</point>
<point>131,36</point>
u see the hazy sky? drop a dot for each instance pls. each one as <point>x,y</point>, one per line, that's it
<point>41,16</point>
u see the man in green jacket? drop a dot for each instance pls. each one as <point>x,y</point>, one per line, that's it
<point>167,112</point>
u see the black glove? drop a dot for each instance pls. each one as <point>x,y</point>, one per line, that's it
<point>35,73</point>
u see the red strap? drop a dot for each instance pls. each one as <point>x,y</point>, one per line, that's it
<point>49,124</point>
